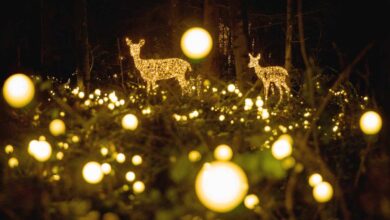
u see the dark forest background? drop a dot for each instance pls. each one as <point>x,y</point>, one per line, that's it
<point>43,37</point>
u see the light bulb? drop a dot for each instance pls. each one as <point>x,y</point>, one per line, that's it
<point>130,122</point>
<point>196,43</point>
<point>251,201</point>
<point>370,122</point>
<point>92,172</point>
<point>223,152</point>
<point>323,192</point>
<point>57,127</point>
<point>18,90</point>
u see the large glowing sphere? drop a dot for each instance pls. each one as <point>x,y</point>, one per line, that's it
<point>281,149</point>
<point>18,90</point>
<point>221,185</point>
<point>92,172</point>
<point>370,122</point>
<point>323,192</point>
<point>223,152</point>
<point>130,122</point>
<point>57,127</point>
<point>196,43</point>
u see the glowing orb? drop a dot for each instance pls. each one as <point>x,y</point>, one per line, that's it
<point>371,123</point>
<point>57,127</point>
<point>40,150</point>
<point>194,156</point>
<point>281,149</point>
<point>18,90</point>
<point>13,162</point>
<point>223,152</point>
<point>196,43</point>
<point>315,179</point>
<point>130,122</point>
<point>136,160</point>
<point>138,187</point>
<point>106,168</point>
<point>323,192</point>
<point>251,201</point>
<point>92,172</point>
<point>120,158</point>
<point>130,176</point>
<point>221,185</point>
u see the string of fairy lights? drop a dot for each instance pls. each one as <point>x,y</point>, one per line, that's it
<point>221,185</point>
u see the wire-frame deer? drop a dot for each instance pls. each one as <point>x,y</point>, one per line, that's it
<point>153,70</point>
<point>276,75</point>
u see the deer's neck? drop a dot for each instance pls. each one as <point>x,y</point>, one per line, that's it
<point>137,61</point>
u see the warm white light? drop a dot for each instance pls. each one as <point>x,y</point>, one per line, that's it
<point>40,150</point>
<point>231,88</point>
<point>18,90</point>
<point>371,123</point>
<point>323,192</point>
<point>92,172</point>
<point>57,127</point>
<point>120,158</point>
<point>130,176</point>
<point>315,179</point>
<point>221,185</point>
<point>194,156</point>
<point>138,187</point>
<point>281,149</point>
<point>251,201</point>
<point>223,152</point>
<point>136,160</point>
<point>130,122</point>
<point>196,43</point>
<point>9,149</point>
<point>106,168</point>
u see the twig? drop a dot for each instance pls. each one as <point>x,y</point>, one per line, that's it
<point>363,156</point>
<point>289,202</point>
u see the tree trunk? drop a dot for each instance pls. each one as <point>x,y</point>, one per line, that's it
<point>289,34</point>
<point>210,66</point>
<point>174,25</point>
<point>82,44</point>
<point>239,27</point>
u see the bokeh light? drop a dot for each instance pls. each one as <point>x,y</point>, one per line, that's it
<point>196,43</point>
<point>223,152</point>
<point>92,172</point>
<point>221,185</point>
<point>57,127</point>
<point>281,149</point>
<point>315,179</point>
<point>323,192</point>
<point>251,201</point>
<point>130,122</point>
<point>138,187</point>
<point>370,122</point>
<point>18,90</point>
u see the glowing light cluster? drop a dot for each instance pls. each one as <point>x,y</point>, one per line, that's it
<point>221,186</point>
<point>153,70</point>
<point>40,150</point>
<point>275,75</point>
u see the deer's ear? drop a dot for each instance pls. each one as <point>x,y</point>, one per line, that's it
<point>250,55</point>
<point>128,41</point>
<point>258,56</point>
<point>141,42</point>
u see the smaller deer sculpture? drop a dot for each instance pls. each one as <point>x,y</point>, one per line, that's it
<point>153,70</point>
<point>275,75</point>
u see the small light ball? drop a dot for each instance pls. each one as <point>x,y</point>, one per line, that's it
<point>18,90</point>
<point>323,192</point>
<point>251,201</point>
<point>370,123</point>
<point>194,156</point>
<point>9,149</point>
<point>120,158</point>
<point>231,88</point>
<point>130,122</point>
<point>281,149</point>
<point>221,185</point>
<point>138,187</point>
<point>130,176</point>
<point>106,168</point>
<point>315,179</point>
<point>13,162</point>
<point>57,127</point>
<point>223,152</point>
<point>196,43</point>
<point>136,160</point>
<point>92,172</point>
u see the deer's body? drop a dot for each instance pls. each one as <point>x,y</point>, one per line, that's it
<point>275,75</point>
<point>153,70</point>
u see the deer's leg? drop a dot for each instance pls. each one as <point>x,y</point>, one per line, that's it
<point>183,83</point>
<point>266,86</point>
<point>280,92</point>
<point>284,85</point>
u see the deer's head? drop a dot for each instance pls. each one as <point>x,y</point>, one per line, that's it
<point>135,48</point>
<point>253,61</point>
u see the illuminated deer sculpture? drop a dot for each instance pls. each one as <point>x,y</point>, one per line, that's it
<point>276,75</point>
<point>153,70</point>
